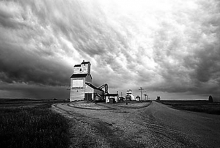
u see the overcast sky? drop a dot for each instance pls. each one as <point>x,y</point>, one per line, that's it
<point>169,47</point>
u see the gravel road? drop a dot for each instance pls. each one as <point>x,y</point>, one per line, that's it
<point>143,125</point>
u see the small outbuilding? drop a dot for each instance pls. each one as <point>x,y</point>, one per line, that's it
<point>111,98</point>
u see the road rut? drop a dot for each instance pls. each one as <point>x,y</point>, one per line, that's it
<point>144,125</point>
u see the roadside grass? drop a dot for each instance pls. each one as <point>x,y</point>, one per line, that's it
<point>196,106</point>
<point>33,127</point>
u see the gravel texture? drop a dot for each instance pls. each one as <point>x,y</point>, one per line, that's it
<point>139,125</point>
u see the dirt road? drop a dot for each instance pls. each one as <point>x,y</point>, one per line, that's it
<point>142,125</point>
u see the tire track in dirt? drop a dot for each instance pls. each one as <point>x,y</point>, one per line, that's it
<point>126,130</point>
<point>155,125</point>
<point>165,135</point>
<point>178,128</point>
<point>103,133</point>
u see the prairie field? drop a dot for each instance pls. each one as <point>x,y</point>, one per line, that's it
<point>32,124</point>
<point>196,106</point>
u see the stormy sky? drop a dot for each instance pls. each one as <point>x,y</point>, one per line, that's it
<point>170,48</point>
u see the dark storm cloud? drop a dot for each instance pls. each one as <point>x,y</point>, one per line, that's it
<point>18,65</point>
<point>29,54</point>
<point>170,46</point>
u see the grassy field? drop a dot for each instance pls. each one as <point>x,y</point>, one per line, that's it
<point>31,124</point>
<point>196,106</point>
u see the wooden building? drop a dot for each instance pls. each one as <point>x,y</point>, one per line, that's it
<point>81,87</point>
<point>92,93</point>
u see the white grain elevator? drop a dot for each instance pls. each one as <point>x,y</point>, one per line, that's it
<point>81,87</point>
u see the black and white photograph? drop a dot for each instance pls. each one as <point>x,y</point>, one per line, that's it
<point>109,73</point>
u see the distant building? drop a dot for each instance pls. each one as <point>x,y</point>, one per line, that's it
<point>210,99</point>
<point>129,93</point>
<point>81,87</point>
<point>111,98</point>
<point>138,98</point>
<point>158,98</point>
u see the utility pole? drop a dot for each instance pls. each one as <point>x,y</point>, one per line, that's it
<point>141,89</point>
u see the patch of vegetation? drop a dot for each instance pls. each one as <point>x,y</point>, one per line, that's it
<point>196,106</point>
<point>33,127</point>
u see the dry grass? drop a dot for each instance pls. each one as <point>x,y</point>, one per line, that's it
<point>32,127</point>
<point>196,106</point>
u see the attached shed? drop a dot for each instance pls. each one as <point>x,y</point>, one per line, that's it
<point>92,93</point>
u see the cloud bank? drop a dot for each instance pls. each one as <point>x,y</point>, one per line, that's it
<point>170,46</point>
